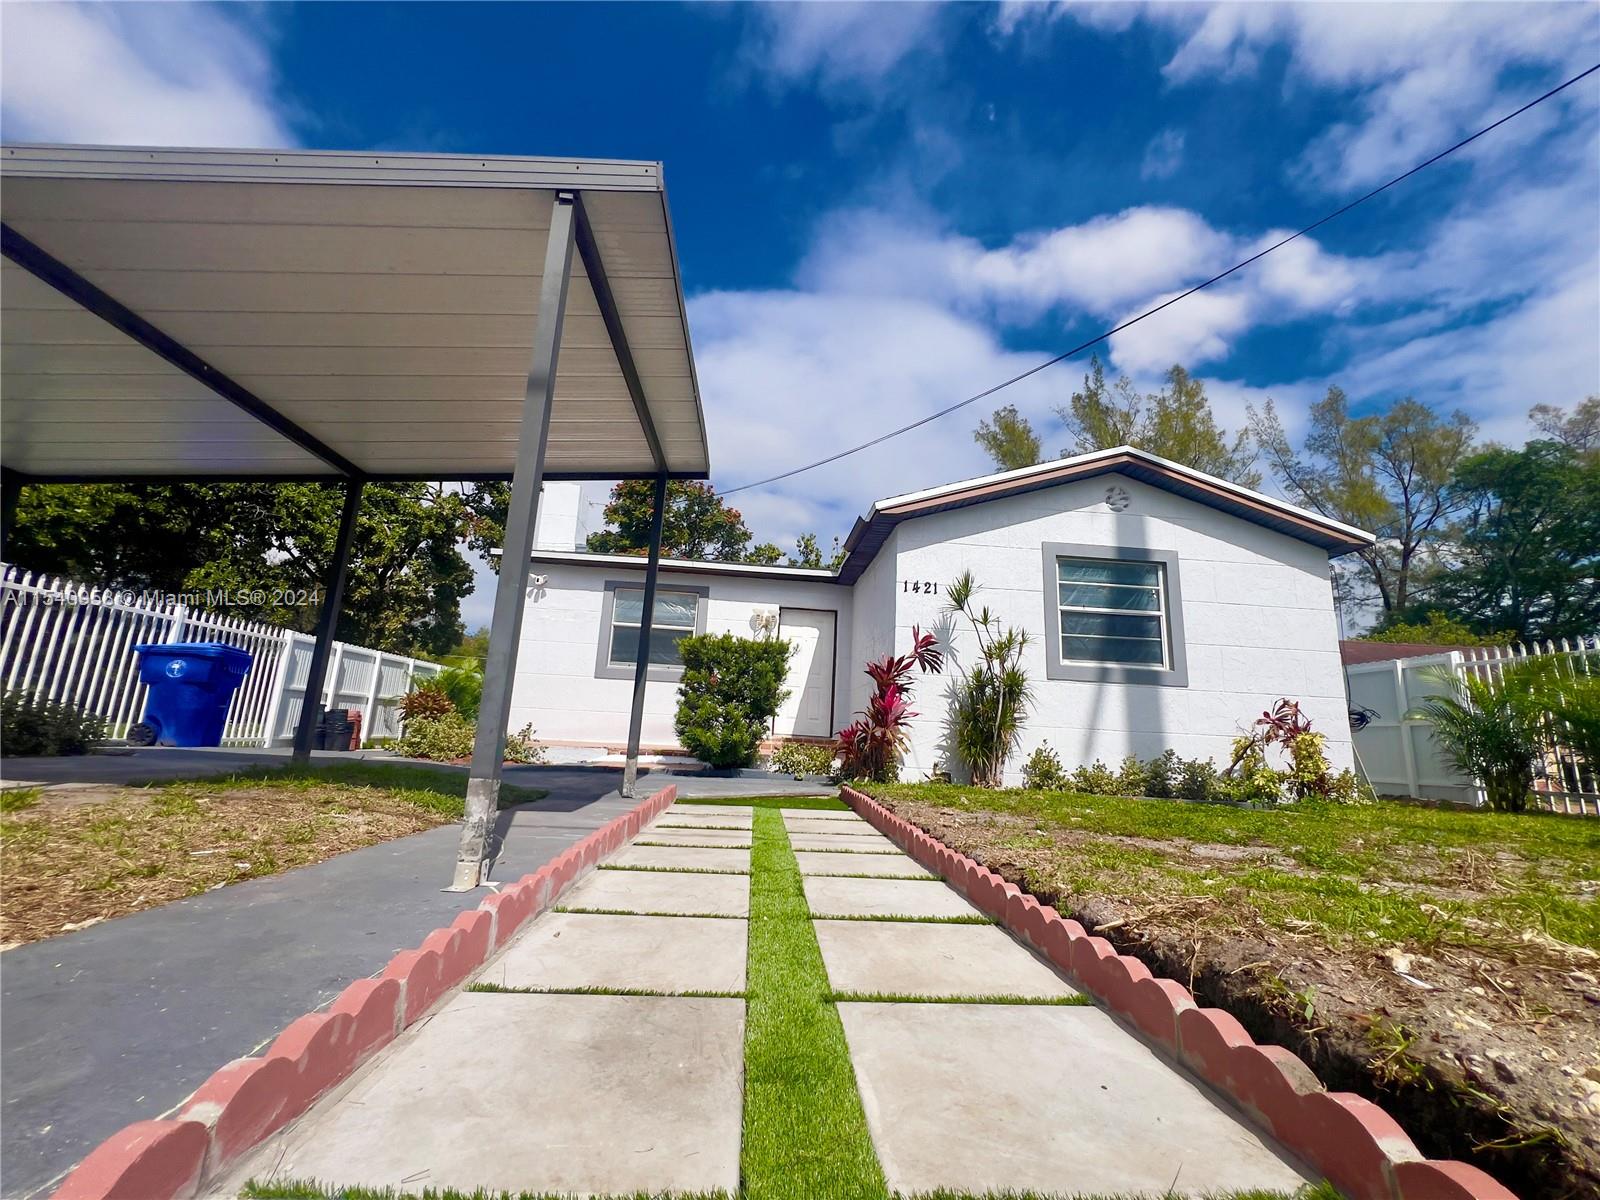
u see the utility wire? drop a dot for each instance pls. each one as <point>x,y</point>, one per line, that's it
<point>1100,337</point>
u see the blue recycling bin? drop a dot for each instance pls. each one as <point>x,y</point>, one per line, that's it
<point>191,685</point>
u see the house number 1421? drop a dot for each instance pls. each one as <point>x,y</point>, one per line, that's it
<point>919,585</point>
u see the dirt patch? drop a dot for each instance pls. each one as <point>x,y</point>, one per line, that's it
<point>74,857</point>
<point>1401,977</point>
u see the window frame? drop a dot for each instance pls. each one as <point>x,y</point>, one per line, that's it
<point>604,668</point>
<point>1172,672</point>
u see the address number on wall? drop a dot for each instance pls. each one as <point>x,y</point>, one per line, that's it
<point>919,585</point>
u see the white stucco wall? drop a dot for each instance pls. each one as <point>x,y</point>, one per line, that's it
<point>557,690</point>
<point>1257,607</point>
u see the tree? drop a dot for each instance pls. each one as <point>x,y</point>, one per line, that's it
<point>1581,430</point>
<point>698,524</point>
<point>1391,473</point>
<point>1007,438</point>
<point>807,553</point>
<point>1175,423</point>
<point>1528,556</point>
<point>264,550</point>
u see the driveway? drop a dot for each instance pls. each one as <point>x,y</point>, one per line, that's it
<point>121,1021</point>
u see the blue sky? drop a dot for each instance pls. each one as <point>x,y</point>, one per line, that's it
<point>882,208</point>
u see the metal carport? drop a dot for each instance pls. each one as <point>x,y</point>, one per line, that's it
<point>246,315</point>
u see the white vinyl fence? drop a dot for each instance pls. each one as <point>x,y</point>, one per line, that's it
<point>63,641</point>
<point>1401,758</point>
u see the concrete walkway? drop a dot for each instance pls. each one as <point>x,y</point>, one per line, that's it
<point>124,1020</point>
<point>980,1069</point>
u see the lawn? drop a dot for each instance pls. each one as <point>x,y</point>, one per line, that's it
<point>1445,962</point>
<point>75,856</point>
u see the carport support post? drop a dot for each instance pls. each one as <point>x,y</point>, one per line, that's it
<point>641,664</point>
<point>510,593</point>
<point>327,624</point>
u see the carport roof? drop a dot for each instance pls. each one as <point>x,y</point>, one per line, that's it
<point>323,315</point>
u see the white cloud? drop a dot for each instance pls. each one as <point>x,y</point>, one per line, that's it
<point>1163,156</point>
<point>841,45</point>
<point>142,74</point>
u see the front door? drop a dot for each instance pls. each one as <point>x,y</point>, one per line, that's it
<point>808,712</point>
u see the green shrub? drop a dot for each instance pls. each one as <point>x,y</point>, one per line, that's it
<point>803,758</point>
<point>1348,788</point>
<point>1309,776</point>
<point>1042,772</point>
<point>1249,779</point>
<point>1161,775</point>
<point>1197,780</point>
<point>523,747</point>
<point>441,739</point>
<point>1131,778</point>
<point>731,690</point>
<point>50,728</point>
<point>464,686</point>
<point>1096,780</point>
<point>1488,729</point>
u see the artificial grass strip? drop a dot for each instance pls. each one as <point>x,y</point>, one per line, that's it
<point>595,990</point>
<point>973,919</point>
<point>628,912</point>
<point>805,1135</point>
<point>701,825</point>
<point>846,850</point>
<point>828,803</point>
<point>668,870</point>
<point>870,875</point>
<point>692,845</point>
<point>1073,1001</point>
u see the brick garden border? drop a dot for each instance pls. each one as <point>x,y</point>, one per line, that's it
<point>1358,1147</point>
<point>249,1099</point>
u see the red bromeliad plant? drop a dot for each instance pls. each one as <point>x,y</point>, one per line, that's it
<point>870,747</point>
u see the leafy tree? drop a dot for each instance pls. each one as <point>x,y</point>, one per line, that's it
<point>1392,473</point>
<point>1175,423</point>
<point>807,553</point>
<point>766,554</point>
<point>406,577</point>
<point>1528,557</point>
<point>1431,627</point>
<point>1580,430</point>
<point>1008,438</point>
<point>698,524</point>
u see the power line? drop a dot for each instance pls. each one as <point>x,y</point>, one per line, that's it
<point>1100,337</point>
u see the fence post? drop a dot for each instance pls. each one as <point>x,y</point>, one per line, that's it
<point>372,697</point>
<point>1407,750</point>
<point>280,687</point>
<point>331,689</point>
<point>180,622</point>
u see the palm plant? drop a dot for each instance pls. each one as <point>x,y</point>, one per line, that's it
<point>870,747</point>
<point>990,701</point>
<point>1487,729</point>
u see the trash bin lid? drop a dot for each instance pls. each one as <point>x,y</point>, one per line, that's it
<point>233,658</point>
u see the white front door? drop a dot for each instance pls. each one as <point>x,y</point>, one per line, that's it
<point>808,712</point>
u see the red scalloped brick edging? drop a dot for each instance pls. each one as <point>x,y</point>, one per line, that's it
<point>249,1099</point>
<point>1355,1144</point>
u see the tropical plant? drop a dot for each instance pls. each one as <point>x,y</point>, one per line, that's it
<point>463,684</point>
<point>442,738</point>
<point>523,747</point>
<point>870,746</point>
<point>31,726</point>
<point>427,701</point>
<point>990,701</point>
<point>1486,728</point>
<point>1285,726</point>
<point>730,691</point>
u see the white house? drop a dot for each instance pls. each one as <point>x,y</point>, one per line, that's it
<point>1167,608</point>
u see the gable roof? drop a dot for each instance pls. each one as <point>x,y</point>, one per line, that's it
<point>871,531</point>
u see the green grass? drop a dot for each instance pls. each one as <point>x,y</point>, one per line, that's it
<point>628,912</point>
<point>805,1135</point>
<point>701,825</point>
<point>669,870</point>
<point>298,1189</point>
<point>1072,1001</point>
<point>14,800</point>
<point>1345,870</point>
<point>689,845</point>
<point>964,919</point>
<point>829,803</point>
<point>440,791</point>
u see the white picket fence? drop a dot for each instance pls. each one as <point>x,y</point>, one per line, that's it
<point>1401,758</point>
<point>64,641</point>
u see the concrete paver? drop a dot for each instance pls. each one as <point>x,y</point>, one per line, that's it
<point>874,843</point>
<point>695,837</point>
<point>706,814</point>
<point>819,862</point>
<point>831,828</point>
<point>910,959</point>
<point>591,1095</point>
<point>833,897</point>
<point>692,858</point>
<point>654,954</point>
<point>818,814</point>
<point>663,892</point>
<point>1052,1099</point>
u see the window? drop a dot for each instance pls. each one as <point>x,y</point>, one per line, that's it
<point>1112,611</point>
<point>674,620</point>
<point>1113,614</point>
